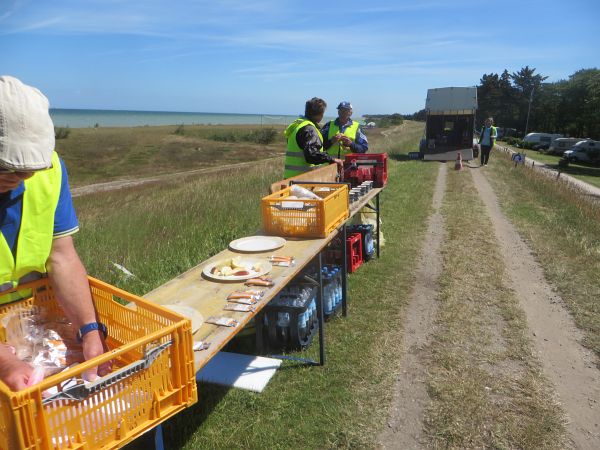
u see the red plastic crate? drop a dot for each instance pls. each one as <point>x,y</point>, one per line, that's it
<point>354,251</point>
<point>373,167</point>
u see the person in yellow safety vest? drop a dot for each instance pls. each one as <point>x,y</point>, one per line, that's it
<point>37,220</point>
<point>343,135</point>
<point>305,142</point>
<point>487,139</point>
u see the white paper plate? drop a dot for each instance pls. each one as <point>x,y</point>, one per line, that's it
<point>190,313</point>
<point>257,244</point>
<point>266,268</point>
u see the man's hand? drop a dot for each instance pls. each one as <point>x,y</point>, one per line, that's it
<point>94,345</point>
<point>14,372</point>
<point>346,141</point>
<point>339,163</point>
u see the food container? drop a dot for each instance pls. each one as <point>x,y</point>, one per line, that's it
<point>153,378</point>
<point>308,218</point>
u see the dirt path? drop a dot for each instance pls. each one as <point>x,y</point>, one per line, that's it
<point>569,366</point>
<point>121,184</point>
<point>404,426</point>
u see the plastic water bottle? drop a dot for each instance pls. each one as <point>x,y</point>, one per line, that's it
<point>338,285</point>
<point>302,322</point>
<point>283,326</point>
<point>313,305</point>
<point>369,245</point>
<point>327,297</point>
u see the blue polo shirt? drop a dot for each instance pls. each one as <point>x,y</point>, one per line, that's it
<point>11,208</point>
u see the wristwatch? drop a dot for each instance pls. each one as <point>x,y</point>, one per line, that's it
<point>93,326</point>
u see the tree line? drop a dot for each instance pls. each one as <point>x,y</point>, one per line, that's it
<point>570,107</point>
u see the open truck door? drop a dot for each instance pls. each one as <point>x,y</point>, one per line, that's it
<point>450,122</point>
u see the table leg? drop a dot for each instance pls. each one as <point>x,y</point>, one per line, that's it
<point>377,213</point>
<point>344,272</point>
<point>320,313</point>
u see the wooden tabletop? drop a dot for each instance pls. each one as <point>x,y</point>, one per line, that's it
<point>193,289</point>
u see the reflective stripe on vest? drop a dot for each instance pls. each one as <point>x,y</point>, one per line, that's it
<point>34,241</point>
<point>337,150</point>
<point>295,163</point>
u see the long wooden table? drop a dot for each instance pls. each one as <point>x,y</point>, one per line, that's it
<point>208,297</point>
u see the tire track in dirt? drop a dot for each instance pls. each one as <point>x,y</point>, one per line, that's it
<point>568,365</point>
<point>405,424</point>
<point>122,184</point>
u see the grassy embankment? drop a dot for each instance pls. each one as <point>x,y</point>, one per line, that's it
<point>563,229</point>
<point>157,232</point>
<point>104,154</point>
<point>587,173</point>
<point>485,384</point>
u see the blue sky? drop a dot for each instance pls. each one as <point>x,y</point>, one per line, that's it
<point>270,56</point>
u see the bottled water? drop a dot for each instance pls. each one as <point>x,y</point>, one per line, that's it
<point>338,286</point>
<point>302,322</point>
<point>327,294</point>
<point>283,326</point>
<point>369,245</point>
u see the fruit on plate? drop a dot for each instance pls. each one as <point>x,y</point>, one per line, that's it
<point>235,267</point>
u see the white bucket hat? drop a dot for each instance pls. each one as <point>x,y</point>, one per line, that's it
<point>26,129</point>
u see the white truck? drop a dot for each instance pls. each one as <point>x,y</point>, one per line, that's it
<point>449,124</point>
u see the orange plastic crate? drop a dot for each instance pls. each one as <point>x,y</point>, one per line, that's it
<point>302,217</point>
<point>119,407</point>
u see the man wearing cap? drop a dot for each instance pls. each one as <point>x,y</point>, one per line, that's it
<point>305,142</point>
<point>343,135</point>
<point>37,220</point>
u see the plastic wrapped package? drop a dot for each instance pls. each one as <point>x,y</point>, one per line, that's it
<point>44,340</point>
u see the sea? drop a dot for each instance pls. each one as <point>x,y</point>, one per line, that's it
<point>84,118</point>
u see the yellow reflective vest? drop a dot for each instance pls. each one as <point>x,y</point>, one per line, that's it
<point>295,163</point>
<point>493,135</point>
<point>338,150</point>
<point>34,241</point>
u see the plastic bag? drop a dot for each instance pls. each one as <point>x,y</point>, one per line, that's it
<point>43,339</point>
<point>303,193</point>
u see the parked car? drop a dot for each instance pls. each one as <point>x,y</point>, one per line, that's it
<point>560,145</point>
<point>541,141</point>
<point>587,151</point>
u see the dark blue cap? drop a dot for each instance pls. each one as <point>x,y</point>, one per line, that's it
<point>345,105</point>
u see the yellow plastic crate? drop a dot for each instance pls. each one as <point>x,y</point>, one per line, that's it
<point>302,217</point>
<point>153,378</point>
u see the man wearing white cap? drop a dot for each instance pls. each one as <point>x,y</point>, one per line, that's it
<point>343,135</point>
<point>37,220</point>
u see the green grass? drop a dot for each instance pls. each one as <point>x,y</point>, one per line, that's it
<point>563,229</point>
<point>486,386</point>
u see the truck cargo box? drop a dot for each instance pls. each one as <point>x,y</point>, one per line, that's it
<point>450,123</point>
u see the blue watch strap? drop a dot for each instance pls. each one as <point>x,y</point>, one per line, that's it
<point>93,326</point>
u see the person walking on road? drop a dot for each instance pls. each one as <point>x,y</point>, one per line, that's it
<point>487,139</point>
<point>305,150</point>
<point>343,135</point>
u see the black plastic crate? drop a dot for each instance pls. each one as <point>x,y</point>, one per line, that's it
<point>288,334</point>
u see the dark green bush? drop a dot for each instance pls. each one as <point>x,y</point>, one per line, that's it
<point>61,133</point>
<point>180,130</point>
<point>225,136</point>
<point>263,136</point>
